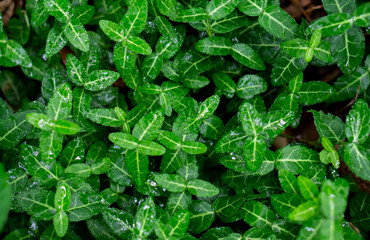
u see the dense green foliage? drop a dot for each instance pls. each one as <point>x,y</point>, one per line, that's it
<point>183,148</point>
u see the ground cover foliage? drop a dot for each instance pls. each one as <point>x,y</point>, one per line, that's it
<point>170,119</point>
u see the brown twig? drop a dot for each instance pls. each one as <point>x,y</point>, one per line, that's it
<point>351,102</point>
<point>7,10</point>
<point>354,227</point>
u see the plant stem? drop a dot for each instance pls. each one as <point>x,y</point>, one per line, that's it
<point>209,29</point>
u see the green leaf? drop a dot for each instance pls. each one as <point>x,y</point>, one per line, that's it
<point>250,85</point>
<point>329,126</point>
<point>275,122</point>
<point>19,29</point>
<point>212,127</point>
<point>348,49</point>
<point>62,198</point>
<point>231,22</point>
<point>152,66</point>
<point>40,121</point>
<point>357,127</point>
<point>151,148</point>
<point>55,41</point>
<point>169,140</point>
<point>75,69</point>
<point>91,59</point>
<point>15,53</point>
<point>254,152</point>
<point>60,9</point>
<point>77,34</point>
<point>51,82</point>
<point>218,46</point>
<point>51,144</point>
<point>250,119</point>
<point>169,46</point>
<point>84,13</point>
<point>178,201</point>
<point>308,189</point>
<point>124,140</point>
<point>189,170</point>
<point>252,7</point>
<point>218,9</point>
<point>191,15</point>
<point>172,160</point>
<point>224,82</point>
<point>135,18</point>
<point>13,129</point>
<point>191,147</point>
<point>247,56</point>
<point>81,105</point>
<point>39,14</point>
<point>279,23</point>
<point>296,158</point>
<point>79,169</point>
<point>113,30</point>
<point>201,216</point>
<point>148,127</point>
<point>288,181</point>
<point>322,52</point>
<point>124,60</point>
<point>138,166</point>
<point>314,92</point>
<point>60,221</point>
<point>118,172</point>
<point>285,68</point>
<point>202,188</point>
<point>333,198</point>
<point>165,28</point>
<point>100,79</point>
<point>60,104</point>
<point>258,233</point>
<point>65,127</point>
<point>20,233</point>
<point>310,229</point>
<point>331,25</point>
<point>304,211</point>
<point>346,6</point>
<point>257,214</point>
<point>101,166</point>
<point>357,159</point>
<point>362,17</point>
<point>334,228</point>
<point>295,83</point>
<point>231,141</point>
<point>167,7</point>
<point>104,116</point>
<point>295,47</point>
<point>138,45</point>
<point>178,223</point>
<point>38,203</point>
<point>99,229</point>
<point>6,196</point>
<point>171,182</point>
<point>144,218</point>
<point>208,107</point>
<point>84,206</point>
<point>348,84</point>
<point>119,221</point>
<point>286,203</point>
<point>226,207</point>
<point>195,63</point>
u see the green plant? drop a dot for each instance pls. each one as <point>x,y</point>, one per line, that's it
<point>162,119</point>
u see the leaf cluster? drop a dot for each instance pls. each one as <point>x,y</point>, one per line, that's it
<point>163,119</point>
